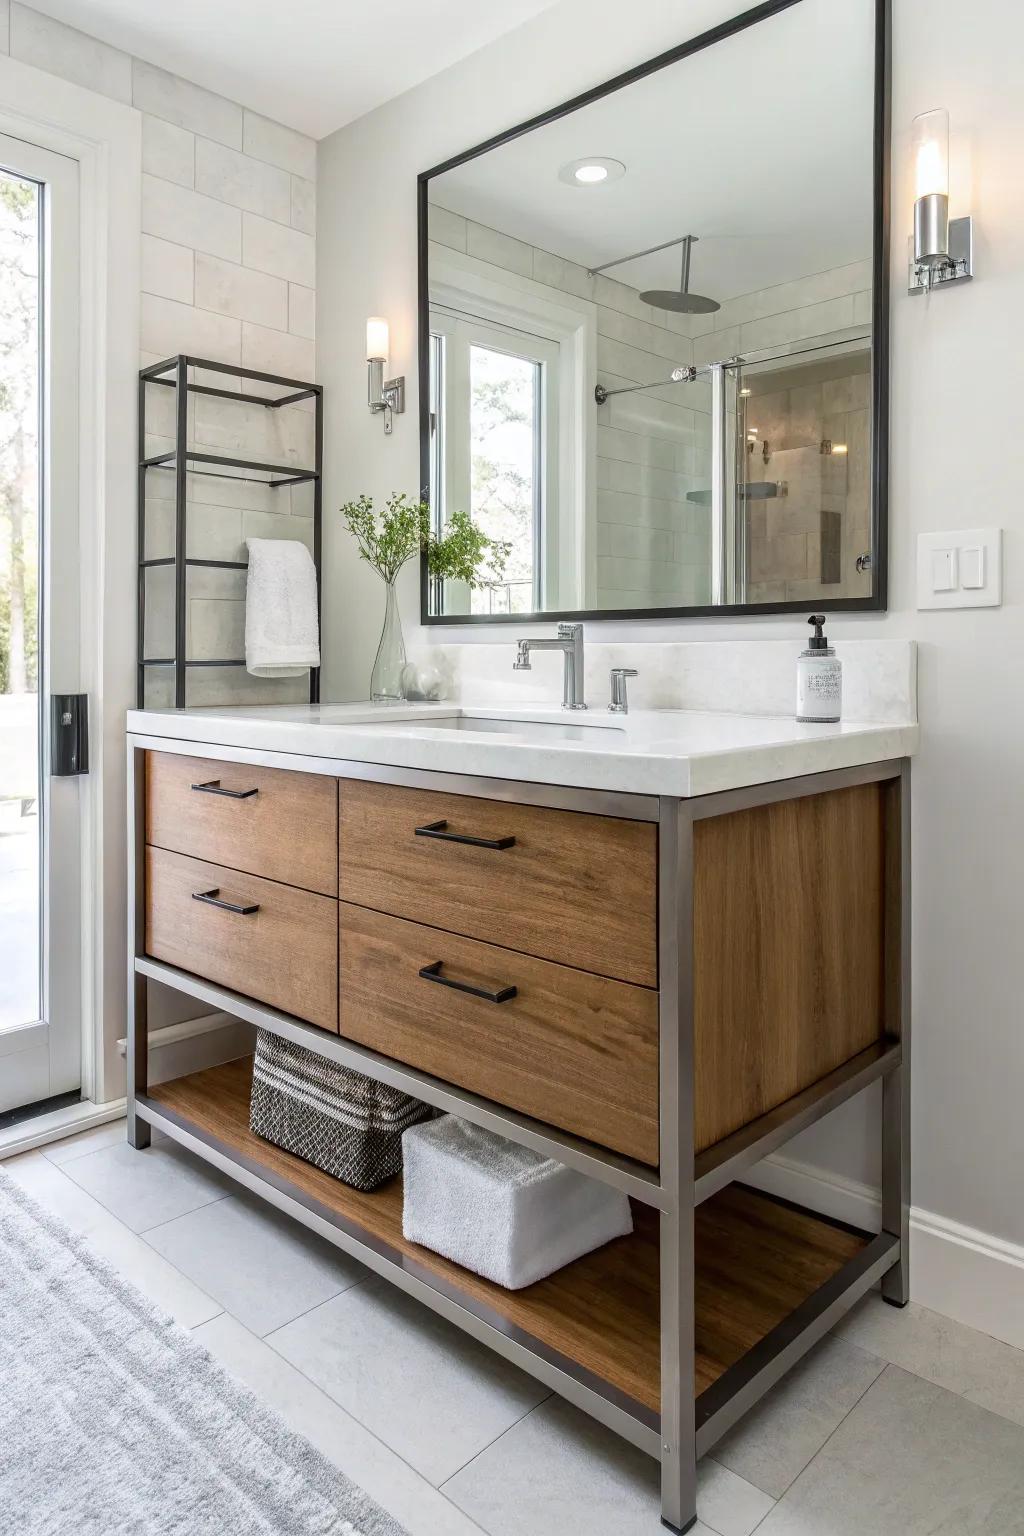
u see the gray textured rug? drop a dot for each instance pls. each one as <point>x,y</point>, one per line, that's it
<point>114,1420</point>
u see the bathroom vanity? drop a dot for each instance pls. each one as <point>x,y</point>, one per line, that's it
<point>654,948</point>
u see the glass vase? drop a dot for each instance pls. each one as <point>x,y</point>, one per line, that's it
<point>386,677</point>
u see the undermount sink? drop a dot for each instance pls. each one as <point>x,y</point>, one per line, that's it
<point>535,730</point>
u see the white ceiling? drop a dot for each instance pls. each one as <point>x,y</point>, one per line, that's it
<point>761,146</point>
<point>313,64</point>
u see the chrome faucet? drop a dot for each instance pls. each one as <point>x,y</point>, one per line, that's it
<point>620,702</point>
<point>570,643</point>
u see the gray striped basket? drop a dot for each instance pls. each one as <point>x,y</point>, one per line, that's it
<point>331,1116</point>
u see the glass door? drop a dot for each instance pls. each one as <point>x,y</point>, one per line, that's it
<point>41,1013</point>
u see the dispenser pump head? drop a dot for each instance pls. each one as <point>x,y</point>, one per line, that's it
<point>817,641</point>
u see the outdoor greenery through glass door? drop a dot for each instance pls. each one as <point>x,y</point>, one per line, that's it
<point>19,586</point>
<point>505,446</point>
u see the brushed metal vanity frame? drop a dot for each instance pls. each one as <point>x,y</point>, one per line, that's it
<point>687,1427</point>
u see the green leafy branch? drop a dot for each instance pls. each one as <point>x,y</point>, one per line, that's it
<point>389,539</point>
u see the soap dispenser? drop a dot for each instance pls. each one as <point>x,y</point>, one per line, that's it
<point>819,679</point>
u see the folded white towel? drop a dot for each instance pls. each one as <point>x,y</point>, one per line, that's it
<point>282,637</point>
<point>502,1210</point>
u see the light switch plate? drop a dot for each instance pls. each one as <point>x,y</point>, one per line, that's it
<point>960,569</point>
<point>944,571</point>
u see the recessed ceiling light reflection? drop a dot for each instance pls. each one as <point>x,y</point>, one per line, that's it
<point>591,171</point>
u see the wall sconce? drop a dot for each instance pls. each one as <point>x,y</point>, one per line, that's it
<point>942,249</point>
<point>387,395</point>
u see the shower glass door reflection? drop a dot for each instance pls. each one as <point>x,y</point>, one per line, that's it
<point>797,473</point>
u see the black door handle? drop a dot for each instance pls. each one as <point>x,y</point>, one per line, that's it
<point>437,829</point>
<point>69,734</point>
<point>211,899</point>
<point>433,973</point>
<point>212,787</point>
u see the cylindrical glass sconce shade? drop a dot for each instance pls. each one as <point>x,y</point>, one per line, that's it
<point>376,339</point>
<point>930,136</point>
<point>930,140</point>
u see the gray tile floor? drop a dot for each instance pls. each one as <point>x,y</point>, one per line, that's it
<point>899,1424</point>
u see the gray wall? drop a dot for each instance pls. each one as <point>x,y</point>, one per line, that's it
<point>956,460</point>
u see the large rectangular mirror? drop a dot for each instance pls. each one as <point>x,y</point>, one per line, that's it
<point>653,333</point>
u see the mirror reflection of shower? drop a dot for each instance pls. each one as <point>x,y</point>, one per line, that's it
<point>786,496</point>
<point>678,301</point>
<point>680,375</point>
<point>801,438</point>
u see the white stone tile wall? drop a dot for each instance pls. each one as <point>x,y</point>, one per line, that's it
<point>823,304</point>
<point>747,677</point>
<point>229,273</point>
<point>50,45</point>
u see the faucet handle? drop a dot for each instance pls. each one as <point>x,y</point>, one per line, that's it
<point>569,631</point>
<point>619,702</point>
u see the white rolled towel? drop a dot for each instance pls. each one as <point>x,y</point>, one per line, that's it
<point>282,635</point>
<point>501,1210</point>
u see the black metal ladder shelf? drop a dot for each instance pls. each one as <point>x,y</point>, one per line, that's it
<point>183,461</point>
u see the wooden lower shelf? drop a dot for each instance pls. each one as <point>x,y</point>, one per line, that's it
<point>757,1259</point>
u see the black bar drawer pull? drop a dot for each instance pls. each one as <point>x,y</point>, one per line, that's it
<point>433,973</point>
<point>211,899</point>
<point>437,829</point>
<point>212,787</point>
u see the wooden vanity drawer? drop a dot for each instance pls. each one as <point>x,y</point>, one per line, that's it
<point>573,1049</point>
<point>268,821</point>
<point>283,953</point>
<point>577,889</point>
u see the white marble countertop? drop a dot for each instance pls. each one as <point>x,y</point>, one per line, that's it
<point>648,752</point>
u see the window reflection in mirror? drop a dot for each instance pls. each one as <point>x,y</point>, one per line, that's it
<point>655,422</point>
<point>495,390</point>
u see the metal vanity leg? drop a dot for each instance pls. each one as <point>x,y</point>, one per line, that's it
<point>896,1087</point>
<point>139,1130</point>
<point>675,909</point>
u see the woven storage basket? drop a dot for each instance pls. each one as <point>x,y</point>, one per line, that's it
<point>342,1122</point>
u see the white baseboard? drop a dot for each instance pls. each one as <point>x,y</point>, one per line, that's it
<point>819,1190</point>
<point>175,1050</point>
<point>178,1049</point>
<point>971,1276</point>
<point>42,1129</point>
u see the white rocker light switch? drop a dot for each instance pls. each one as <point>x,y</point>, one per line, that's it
<point>960,569</point>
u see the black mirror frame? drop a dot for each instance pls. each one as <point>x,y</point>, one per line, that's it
<point>878,600</point>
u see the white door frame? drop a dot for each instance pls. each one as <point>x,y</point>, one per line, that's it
<point>462,332</point>
<point>105,138</point>
<point>466,284</point>
<point>53,1063</point>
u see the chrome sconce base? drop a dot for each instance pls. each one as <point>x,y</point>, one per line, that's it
<point>955,267</point>
<point>387,395</point>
